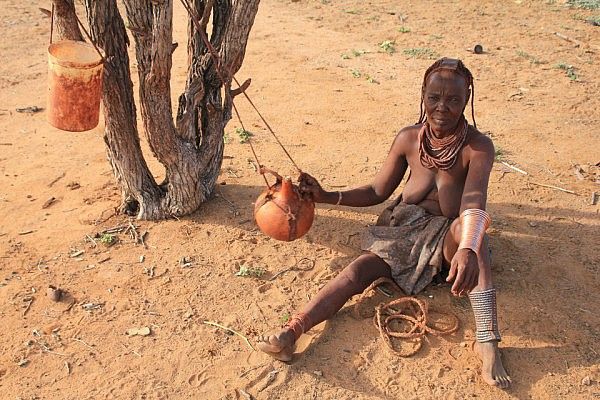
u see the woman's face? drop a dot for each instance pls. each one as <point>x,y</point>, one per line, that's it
<point>445,97</point>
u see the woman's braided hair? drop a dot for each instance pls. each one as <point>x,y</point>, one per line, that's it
<point>456,66</point>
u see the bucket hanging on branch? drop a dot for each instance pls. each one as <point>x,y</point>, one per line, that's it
<point>281,212</point>
<point>74,83</point>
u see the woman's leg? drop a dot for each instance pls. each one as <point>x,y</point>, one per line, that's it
<point>354,279</point>
<point>484,308</point>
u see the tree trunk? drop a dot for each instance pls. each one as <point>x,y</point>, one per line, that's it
<point>191,147</point>
<point>65,22</point>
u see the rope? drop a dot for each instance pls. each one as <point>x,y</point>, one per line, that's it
<point>196,21</point>
<point>407,310</point>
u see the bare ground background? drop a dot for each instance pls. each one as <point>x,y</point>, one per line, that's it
<point>337,99</point>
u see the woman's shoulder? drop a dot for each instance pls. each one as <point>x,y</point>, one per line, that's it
<point>406,138</point>
<point>480,141</point>
<point>409,133</point>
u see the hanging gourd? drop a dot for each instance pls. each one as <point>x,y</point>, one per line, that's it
<point>281,212</point>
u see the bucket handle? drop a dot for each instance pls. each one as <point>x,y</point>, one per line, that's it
<point>102,58</point>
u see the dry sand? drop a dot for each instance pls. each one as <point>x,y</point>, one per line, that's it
<point>338,116</point>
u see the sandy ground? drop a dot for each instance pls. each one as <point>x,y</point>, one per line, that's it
<point>336,99</point>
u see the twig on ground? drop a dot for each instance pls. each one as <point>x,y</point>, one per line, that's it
<point>131,351</point>
<point>229,330</point>
<point>40,263</point>
<point>57,179</point>
<point>48,350</point>
<point>251,163</point>
<point>568,39</point>
<point>270,378</point>
<point>142,241</point>
<point>553,187</point>
<point>295,268</point>
<point>91,239</point>
<point>85,344</point>
<point>251,369</point>
<point>513,168</point>
<point>29,303</point>
<point>68,367</point>
<point>26,232</point>
<point>247,395</point>
<point>116,229</point>
<point>133,231</point>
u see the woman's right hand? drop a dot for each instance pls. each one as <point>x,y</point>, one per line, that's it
<point>311,188</point>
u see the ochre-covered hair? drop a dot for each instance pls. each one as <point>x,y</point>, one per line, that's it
<point>456,66</point>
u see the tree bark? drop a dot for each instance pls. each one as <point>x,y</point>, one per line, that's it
<point>65,21</point>
<point>191,146</point>
<point>140,193</point>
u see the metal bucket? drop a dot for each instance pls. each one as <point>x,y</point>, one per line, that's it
<point>74,86</point>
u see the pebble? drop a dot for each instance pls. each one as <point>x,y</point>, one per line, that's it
<point>586,381</point>
<point>54,293</point>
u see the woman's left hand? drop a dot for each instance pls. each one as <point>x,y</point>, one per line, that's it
<point>464,271</point>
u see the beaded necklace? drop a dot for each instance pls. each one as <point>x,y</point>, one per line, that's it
<point>441,153</point>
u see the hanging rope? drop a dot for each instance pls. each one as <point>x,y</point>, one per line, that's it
<point>409,311</point>
<point>217,60</point>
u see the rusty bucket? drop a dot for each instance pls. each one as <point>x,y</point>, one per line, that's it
<point>74,85</point>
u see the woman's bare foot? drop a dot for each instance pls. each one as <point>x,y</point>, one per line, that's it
<point>492,370</point>
<point>279,346</point>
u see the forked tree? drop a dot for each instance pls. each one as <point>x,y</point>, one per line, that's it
<point>190,144</point>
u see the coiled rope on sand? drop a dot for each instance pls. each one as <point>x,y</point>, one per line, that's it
<point>412,311</point>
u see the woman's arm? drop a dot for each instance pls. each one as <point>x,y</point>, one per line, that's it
<point>478,175</point>
<point>385,182</point>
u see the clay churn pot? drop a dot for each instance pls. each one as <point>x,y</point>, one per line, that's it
<point>281,212</point>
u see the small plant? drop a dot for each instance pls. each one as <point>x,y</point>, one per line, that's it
<point>352,11</point>
<point>403,29</point>
<point>593,20</point>
<point>356,73</point>
<point>370,79</point>
<point>358,53</point>
<point>226,138</point>
<point>246,270</point>
<point>585,4</point>
<point>284,318</point>
<point>108,239</point>
<point>243,135</point>
<point>569,70</point>
<point>499,154</point>
<point>421,52</point>
<point>436,37</point>
<point>389,46</point>
<point>529,57</point>
<point>345,56</point>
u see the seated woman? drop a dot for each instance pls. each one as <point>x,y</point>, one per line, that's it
<point>438,221</point>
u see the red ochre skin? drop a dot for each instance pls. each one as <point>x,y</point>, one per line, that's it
<point>281,212</point>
